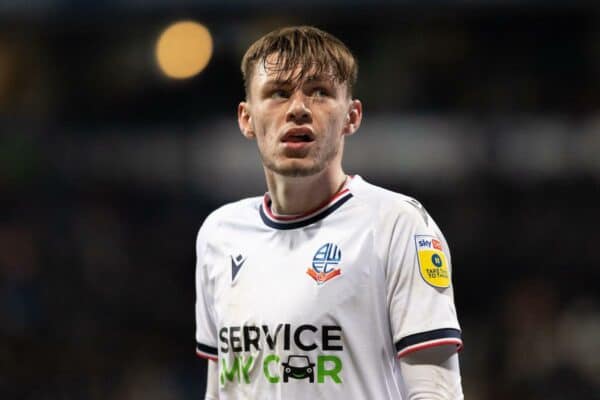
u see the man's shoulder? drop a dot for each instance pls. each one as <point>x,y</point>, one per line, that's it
<point>235,208</point>
<point>385,201</point>
<point>236,211</point>
<point>394,211</point>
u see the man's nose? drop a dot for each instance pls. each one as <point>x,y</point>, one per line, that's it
<point>299,110</point>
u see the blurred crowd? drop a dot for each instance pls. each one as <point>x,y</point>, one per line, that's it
<point>96,295</point>
<point>97,264</point>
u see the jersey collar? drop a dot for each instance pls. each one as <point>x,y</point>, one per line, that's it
<point>302,220</point>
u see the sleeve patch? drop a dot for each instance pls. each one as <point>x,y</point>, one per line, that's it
<point>432,261</point>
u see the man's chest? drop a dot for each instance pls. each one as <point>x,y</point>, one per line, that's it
<point>296,277</point>
<point>296,308</point>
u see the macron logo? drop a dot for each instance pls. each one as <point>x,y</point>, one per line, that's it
<point>236,264</point>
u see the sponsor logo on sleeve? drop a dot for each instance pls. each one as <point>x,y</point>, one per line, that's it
<point>432,261</point>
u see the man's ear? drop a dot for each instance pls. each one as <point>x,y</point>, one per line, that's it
<point>245,120</point>
<point>353,117</point>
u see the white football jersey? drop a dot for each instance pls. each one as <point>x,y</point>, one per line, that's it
<point>321,305</point>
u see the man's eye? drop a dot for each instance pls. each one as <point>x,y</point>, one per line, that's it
<point>279,94</point>
<point>319,92</point>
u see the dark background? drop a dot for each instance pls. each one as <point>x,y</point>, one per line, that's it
<point>487,112</point>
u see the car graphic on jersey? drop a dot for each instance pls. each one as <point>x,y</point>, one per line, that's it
<point>298,367</point>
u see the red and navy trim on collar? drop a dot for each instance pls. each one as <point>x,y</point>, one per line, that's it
<point>299,221</point>
<point>429,339</point>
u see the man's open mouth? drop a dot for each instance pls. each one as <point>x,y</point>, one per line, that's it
<point>298,135</point>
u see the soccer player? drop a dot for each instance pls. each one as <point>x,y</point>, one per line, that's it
<point>327,287</point>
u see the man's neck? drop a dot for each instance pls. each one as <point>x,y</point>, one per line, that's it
<point>298,195</point>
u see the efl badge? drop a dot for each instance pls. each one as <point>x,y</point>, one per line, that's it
<point>432,261</point>
<point>324,263</point>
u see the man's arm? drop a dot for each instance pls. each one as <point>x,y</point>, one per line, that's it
<point>212,381</point>
<point>432,374</point>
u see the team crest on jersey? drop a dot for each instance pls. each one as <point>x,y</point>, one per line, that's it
<point>432,261</point>
<point>325,262</point>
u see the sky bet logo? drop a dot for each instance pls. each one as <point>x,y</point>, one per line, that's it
<point>430,244</point>
<point>432,261</point>
<point>236,367</point>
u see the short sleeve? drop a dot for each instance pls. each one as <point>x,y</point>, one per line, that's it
<point>419,286</point>
<point>206,331</point>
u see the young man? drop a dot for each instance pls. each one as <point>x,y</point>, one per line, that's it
<point>327,287</point>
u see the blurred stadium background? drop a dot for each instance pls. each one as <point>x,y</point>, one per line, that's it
<point>487,112</point>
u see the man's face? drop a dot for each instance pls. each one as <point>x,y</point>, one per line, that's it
<point>299,126</point>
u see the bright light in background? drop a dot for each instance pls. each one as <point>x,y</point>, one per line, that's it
<point>184,49</point>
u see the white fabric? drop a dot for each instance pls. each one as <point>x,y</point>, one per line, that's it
<point>345,330</point>
<point>212,381</point>
<point>431,374</point>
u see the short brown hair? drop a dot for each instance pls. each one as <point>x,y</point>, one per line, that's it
<point>302,46</point>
